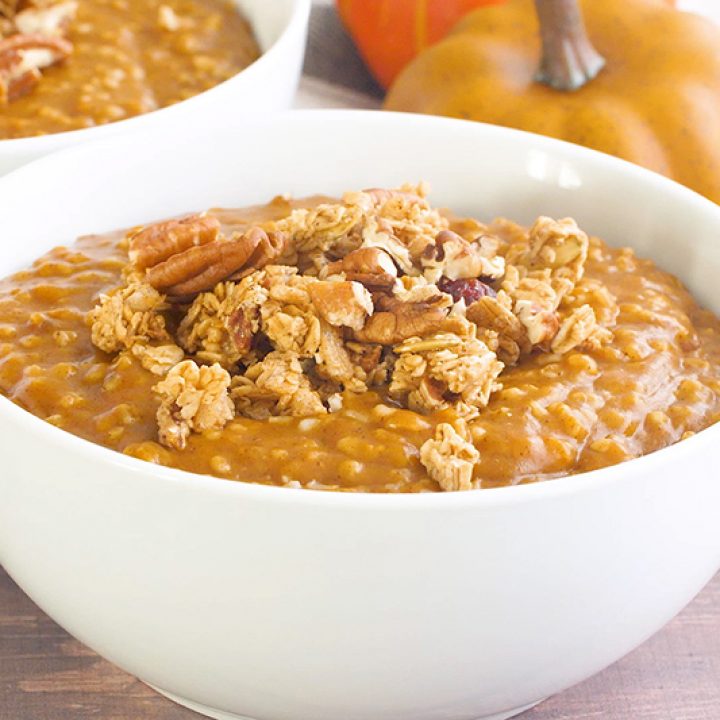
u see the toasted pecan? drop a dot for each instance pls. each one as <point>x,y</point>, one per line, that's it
<point>156,243</point>
<point>395,321</point>
<point>270,246</point>
<point>370,266</point>
<point>21,59</point>
<point>488,313</point>
<point>343,304</point>
<point>201,267</point>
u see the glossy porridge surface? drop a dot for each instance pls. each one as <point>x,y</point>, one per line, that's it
<point>655,383</point>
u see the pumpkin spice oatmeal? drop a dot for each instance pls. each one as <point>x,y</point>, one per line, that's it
<point>373,343</point>
<point>71,64</point>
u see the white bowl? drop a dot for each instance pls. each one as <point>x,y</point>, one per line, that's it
<point>265,86</point>
<point>244,600</point>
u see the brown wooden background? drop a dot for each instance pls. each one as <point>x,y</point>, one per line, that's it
<point>47,675</point>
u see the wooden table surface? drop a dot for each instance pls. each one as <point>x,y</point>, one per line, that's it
<point>45,674</point>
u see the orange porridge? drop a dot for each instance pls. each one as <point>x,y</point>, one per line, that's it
<point>373,343</point>
<point>71,64</point>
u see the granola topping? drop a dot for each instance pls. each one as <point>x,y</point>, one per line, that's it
<point>379,291</point>
<point>193,398</point>
<point>450,457</point>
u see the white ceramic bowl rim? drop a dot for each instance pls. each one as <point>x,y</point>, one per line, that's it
<point>300,11</point>
<point>567,485</point>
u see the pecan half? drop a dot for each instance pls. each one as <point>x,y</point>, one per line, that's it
<point>21,59</point>
<point>201,267</point>
<point>270,246</point>
<point>369,266</point>
<point>156,243</point>
<point>395,321</point>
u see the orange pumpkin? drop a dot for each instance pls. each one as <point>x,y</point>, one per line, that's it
<point>656,101</point>
<point>390,33</point>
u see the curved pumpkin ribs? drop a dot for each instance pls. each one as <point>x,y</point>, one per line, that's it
<point>656,101</point>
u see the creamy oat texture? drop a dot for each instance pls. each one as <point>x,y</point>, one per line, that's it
<point>373,343</point>
<point>72,64</point>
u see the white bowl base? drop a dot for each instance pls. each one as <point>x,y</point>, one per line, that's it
<point>221,715</point>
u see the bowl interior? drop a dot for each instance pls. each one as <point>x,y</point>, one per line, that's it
<point>268,19</point>
<point>476,169</point>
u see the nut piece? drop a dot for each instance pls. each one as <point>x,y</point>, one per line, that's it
<point>541,324</point>
<point>50,20</point>
<point>159,242</point>
<point>192,399</point>
<point>449,458</point>
<point>494,315</point>
<point>343,304</point>
<point>370,266</point>
<point>21,59</point>
<point>270,246</point>
<point>395,321</point>
<point>453,257</point>
<point>200,268</point>
<point>379,234</point>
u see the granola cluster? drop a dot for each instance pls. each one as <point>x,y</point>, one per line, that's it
<point>379,290</point>
<point>33,36</point>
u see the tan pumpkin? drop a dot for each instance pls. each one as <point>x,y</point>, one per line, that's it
<point>647,89</point>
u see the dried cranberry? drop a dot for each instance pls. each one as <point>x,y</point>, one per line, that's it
<point>469,290</point>
<point>240,331</point>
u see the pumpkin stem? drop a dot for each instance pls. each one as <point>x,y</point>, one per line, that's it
<point>568,58</point>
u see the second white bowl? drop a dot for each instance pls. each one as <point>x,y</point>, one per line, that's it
<point>265,86</point>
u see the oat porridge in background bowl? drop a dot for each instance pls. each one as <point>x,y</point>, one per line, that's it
<point>81,69</point>
<point>326,604</point>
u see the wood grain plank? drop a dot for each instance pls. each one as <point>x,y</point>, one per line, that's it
<point>47,675</point>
